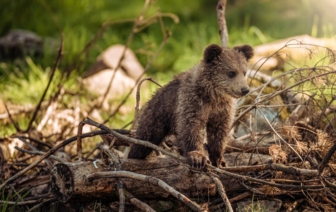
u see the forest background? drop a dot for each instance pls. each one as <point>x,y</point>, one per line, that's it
<point>192,26</point>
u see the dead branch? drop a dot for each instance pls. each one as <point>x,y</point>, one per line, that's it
<point>222,193</point>
<point>276,93</point>
<point>53,199</point>
<point>261,77</point>
<point>148,179</point>
<point>327,157</point>
<point>139,204</point>
<point>68,180</point>
<point>138,96</point>
<point>15,124</point>
<point>53,71</point>
<point>223,32</point>
<point>47,154</point>
<point>132,140</point>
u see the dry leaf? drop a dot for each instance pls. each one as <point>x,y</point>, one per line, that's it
<point>301,147</point>
<point>277,154</point>
<point>291,133</point>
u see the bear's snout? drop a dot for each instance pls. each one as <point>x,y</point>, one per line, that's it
<point>245,91</point>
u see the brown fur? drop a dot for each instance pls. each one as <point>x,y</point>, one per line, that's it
<point>198,106</point>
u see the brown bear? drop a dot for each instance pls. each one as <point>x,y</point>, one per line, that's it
<point>198,106</point>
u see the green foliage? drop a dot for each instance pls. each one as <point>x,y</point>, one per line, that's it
<point>25,83</point>
<point>7,198</point>
<point>80,21</point>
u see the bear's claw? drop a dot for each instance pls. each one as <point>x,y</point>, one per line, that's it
<point>197,160</point>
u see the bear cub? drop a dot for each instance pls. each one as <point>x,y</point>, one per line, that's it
<point>198,106</point>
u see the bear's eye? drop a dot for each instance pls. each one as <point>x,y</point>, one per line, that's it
<point>232,74</point>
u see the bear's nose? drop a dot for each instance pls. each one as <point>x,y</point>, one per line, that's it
<point>245,91</point>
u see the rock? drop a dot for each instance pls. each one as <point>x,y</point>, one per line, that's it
<point>20,43</point>
<point>99,82</point>
<point>272,55</point>
<point>109,59</point>
<point>97,78</point>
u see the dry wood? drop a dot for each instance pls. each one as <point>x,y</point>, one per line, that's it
<point>47,154</point>
<point>122,181</point>
<point>223,32</point>
<point>69,180</point>
<point>222,193</point>
<point>139,204</point>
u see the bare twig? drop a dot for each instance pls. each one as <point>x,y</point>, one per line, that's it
<point>120,187</point>
<point>53,71</point>
<point>240,197</point>
<point>136,202</point>
<point>327,157</point>
<point>138,99</point>
<point>35,141</point>
<point>276,93</point>
<point>50,152</point>
<point>132,140</point>
<point>15,124</point>
<point>79,140</point>
<point>53,199</point>
<point>34,150</point>
<point>247,178</point>
<point>51,108</point>
<point>222,193</point>
<point>273,166</point>
<point>275,83</point>
<point>223,32</point>
<point>279,136</point>
<point>40,153</point>
<point>152,180</point>
<point>28,202</point>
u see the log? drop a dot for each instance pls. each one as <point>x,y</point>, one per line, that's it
<point>69,180</point>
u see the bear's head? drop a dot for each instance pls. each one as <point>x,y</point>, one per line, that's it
<point>226,68</point>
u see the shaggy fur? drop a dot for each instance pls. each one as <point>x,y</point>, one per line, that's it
<point>198,106</point>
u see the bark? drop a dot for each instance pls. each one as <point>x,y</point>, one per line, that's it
<point>69,180</point>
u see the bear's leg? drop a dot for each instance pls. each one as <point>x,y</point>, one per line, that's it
<point>153,133</point>
<point>216,136</point>
<point>191,135</point>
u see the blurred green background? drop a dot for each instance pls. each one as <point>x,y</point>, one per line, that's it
<point>249,21</point>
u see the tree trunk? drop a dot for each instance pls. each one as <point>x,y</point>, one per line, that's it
<point>69,180</point>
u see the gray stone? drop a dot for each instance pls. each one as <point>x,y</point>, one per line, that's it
<point>109,59</point>
<point>98,77</point>
<point>20,43</point>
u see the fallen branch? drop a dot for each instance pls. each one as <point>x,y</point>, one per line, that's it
<point>222,193</point>
<point>152,180</point>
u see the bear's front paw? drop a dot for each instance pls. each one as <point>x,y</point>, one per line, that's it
<point>220,162</point>
<point>197,159</point>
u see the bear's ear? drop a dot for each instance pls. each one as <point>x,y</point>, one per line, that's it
<point>247,50</point>
<point>211,52</point>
